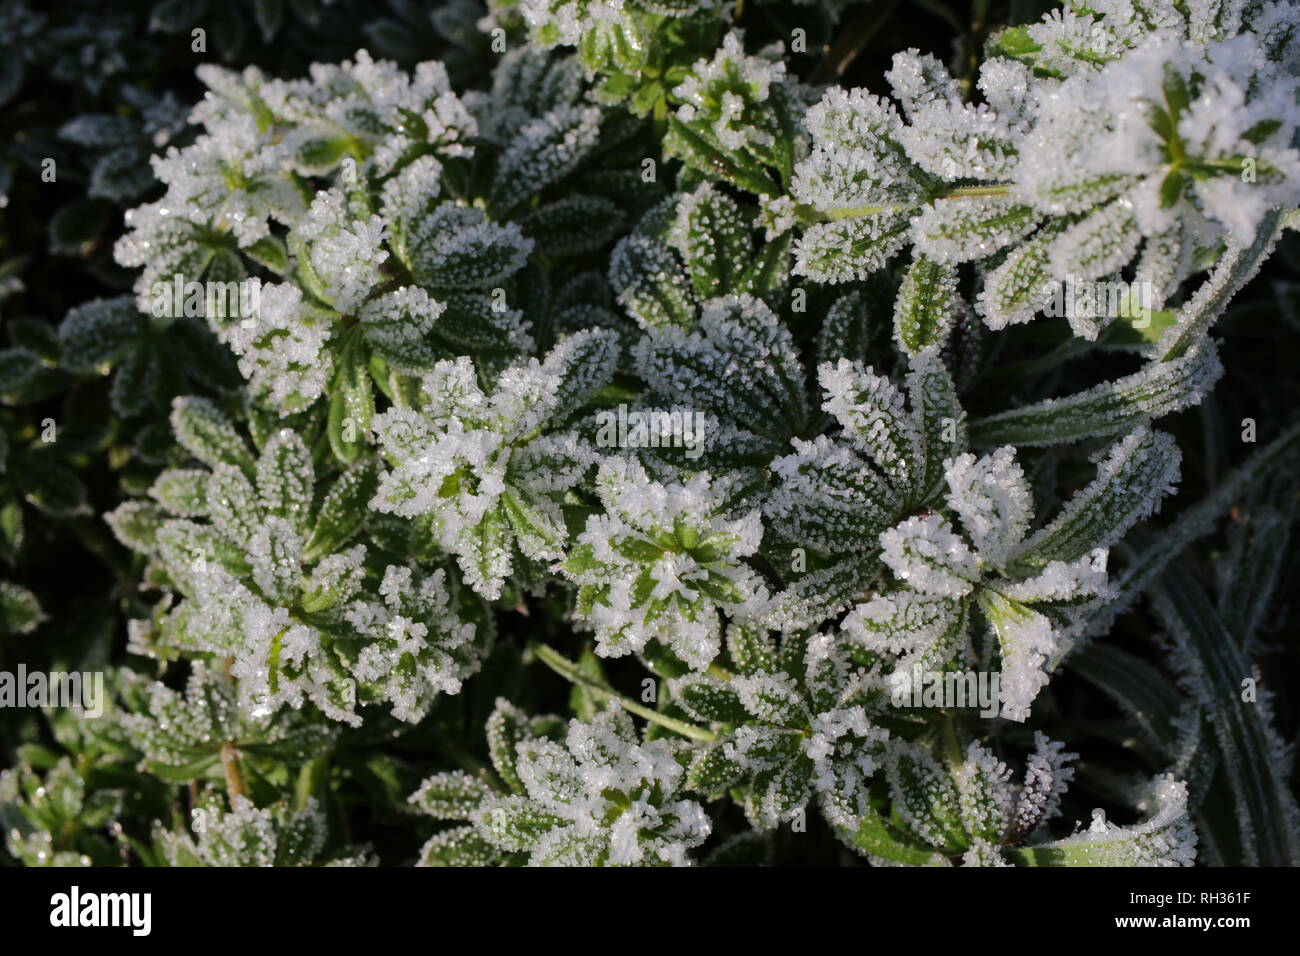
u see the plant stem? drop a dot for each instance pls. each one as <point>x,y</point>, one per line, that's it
<point>235,786</point>
<point>569,671</point>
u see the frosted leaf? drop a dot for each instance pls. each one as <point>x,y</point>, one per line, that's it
<point>601,799</point>
<point>939,418</point>
<point>916,629</point>
<point>1019,287</point>
<point>397,324</point>
<point>207,434</point>
<point>456,247</point>
<point>726,96</point>
<point>873,415</point>
<point>247,835</point>
<point>1158,389</point>
<point>466,459</point>
<point>923,794</point>
<point>930,557</point>
<point>416,646</point>
<point>544,151</point>
<point>286,478</point>
<point>1165,838</point>
<point>451,795</point>
<point>856,160</point>
<point>713,238</point>
<point>918,80</point>
<point>850,249</point>
<point>176,728</point>
<point>346,250</point>
<point>182,491</point>
<point>1097,246</point>
<point>806,738</point>
<point>812,598</point>
<point>961,230</point>
<point>773,699</point>
<point>740,363</point>
<point>1060,582</point>
<point>284,351</point>
<point>1027,641</point>
<point>229,179</point>
<point>650,283</point>
<point>992,498</point>
<point>274,551</point>
<point>1046,779</point>
<point>661,562</point>
<point>1005,85</point>
<point>983,794</point>
<point>335,580</point>
<point>926,304</point>
<point>828,497</point>
<point>1134,475</point>
<point>233,505</point>
<point>955,141</point>
<point>98,333</point>
<point>983,853</point>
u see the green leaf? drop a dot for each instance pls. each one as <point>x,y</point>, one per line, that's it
<point>459,846</point>
<point>77,226</point>
<point>573,225</point>
<point>1159,389</point>
<point>135,383</point>
<point>17,368</point>
<point>136,524</point>
<point>20,612</point>
<point>270,252</point>
<point>650,283</point>
<point>50,485</point>
<point>285,478</point>
<point>1135,474</point>
<point>713,239</point>
<point>208,435</point>
<point>708,156</point>
<point>878,838</point>
<point>515,823</point>
<point>1235,268</point>
<point>709,699</point>
<point>99,332</point>
<point>1166,837</point>
<point>352,404</point>
<point>924,308</point>
<point>344,510</point>
<point>452,795</point>
<point>1253,754</point>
